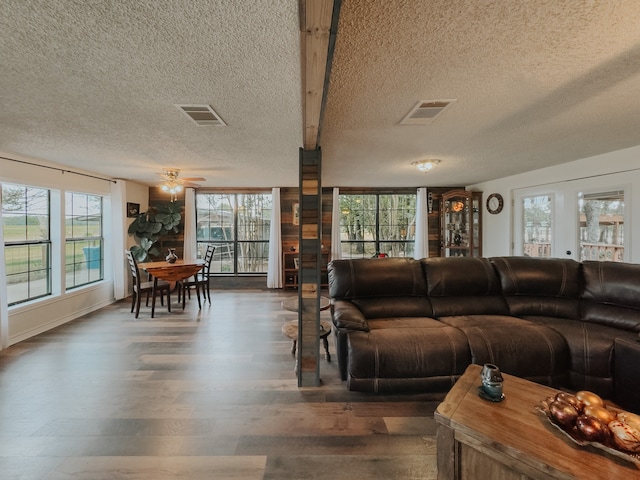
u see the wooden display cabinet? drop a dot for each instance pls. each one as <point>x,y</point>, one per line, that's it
<point>290,270</point>
<point>461,224</point>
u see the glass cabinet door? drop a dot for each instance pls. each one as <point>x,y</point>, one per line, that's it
<point>461,224</point>
<point>476,230</point>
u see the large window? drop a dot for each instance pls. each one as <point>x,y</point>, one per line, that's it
<point>372,224</point>
<point>237,224</point>
<point>27,242</point>
<point>84,240</point>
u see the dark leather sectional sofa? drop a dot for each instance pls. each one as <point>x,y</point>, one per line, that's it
<point>405,325</point>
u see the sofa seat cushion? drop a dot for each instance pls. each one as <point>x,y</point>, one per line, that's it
<point>519,347</point>
<point>401,306</point>
<point>407,354</point>
<point>591,348</point>
<point>404,322</point>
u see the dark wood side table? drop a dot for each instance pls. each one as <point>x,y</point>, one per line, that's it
<point>171,272</point>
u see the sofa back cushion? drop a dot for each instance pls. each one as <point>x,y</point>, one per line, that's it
<point>540,286</point>
<point>381,287</point>
<point>463,286</point>
<point>611,294</point>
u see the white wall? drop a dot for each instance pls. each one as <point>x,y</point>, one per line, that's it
<point>621,167</point>
<point>25,320</point>
<point>139,194</point>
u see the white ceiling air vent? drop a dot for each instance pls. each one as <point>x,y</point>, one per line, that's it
<point>203,115</point>
<point>425,111</point>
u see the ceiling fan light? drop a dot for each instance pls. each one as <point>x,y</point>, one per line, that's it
<point>174,185</point>
<point>425,165</point>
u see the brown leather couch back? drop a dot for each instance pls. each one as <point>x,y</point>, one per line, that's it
<point>463,286</point>
<point>381,287</point>
<point>540,286</point>
<point>611,294</point>
<point>606,293</point>
<point>401,306</point>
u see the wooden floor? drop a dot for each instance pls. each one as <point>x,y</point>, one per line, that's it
<point>197,395</point>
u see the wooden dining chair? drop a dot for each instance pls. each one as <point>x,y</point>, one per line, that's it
<point>140,287</point>
<point>199,280</point>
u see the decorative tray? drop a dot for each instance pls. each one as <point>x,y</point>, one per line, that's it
<point>576,437</point>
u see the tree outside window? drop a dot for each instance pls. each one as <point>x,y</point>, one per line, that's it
<point>27,242</point>
<point>238,225</point>
<point>373,224</point>
<point>602,226</point>
<point>537,225</point>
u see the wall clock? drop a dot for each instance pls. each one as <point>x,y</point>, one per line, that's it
<point>495,203</point>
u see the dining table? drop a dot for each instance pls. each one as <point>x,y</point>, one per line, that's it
<point>171,272</point>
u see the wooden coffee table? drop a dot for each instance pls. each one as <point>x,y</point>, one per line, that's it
<point>510,439</point>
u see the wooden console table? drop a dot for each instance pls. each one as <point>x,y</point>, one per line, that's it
<point>509,440</point>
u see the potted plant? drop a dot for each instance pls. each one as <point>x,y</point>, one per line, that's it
<point>150,226</point>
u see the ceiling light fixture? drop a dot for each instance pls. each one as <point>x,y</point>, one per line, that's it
<point>171,185</point>
<point>425,165</point>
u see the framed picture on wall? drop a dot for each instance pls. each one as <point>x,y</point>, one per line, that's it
<point>133,209</point>
<point>296,214</point>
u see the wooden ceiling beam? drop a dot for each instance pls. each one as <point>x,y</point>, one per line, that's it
<point>317,38</point>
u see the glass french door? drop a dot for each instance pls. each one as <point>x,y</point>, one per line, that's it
<point>582,222</point>
<point>537,225</point>
<point>534,233</point>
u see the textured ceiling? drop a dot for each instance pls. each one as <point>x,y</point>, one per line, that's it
<point>93,85</point>
<point>537,83</point>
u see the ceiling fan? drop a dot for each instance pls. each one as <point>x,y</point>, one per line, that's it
<point>171,176</point>
<point>173,185</point>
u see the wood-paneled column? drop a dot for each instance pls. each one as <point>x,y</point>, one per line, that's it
<point>310,255</point>
<point>319,23</point>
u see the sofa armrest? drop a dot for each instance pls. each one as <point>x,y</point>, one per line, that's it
<point>626,381</point>
<point>347,316</point>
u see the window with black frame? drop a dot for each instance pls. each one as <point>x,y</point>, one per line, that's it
<point>238,225</point>
<point>379,224</point>
<point>83,239</point>
<point>27,242</point>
